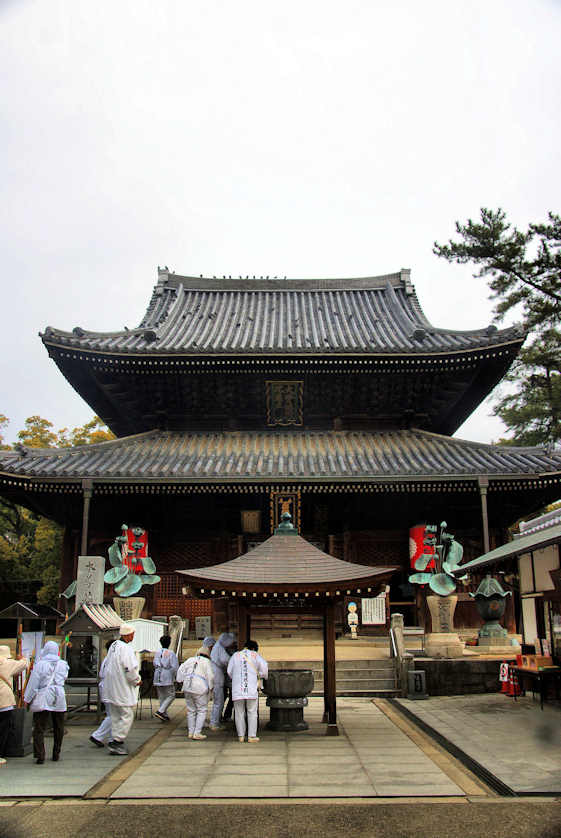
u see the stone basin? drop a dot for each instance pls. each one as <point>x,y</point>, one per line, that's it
<point>286,691</point>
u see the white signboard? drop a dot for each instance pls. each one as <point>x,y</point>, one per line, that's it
<point>31,643</point>
<point>89,585</point>
<point>203,627</point>
<point>373,611</point>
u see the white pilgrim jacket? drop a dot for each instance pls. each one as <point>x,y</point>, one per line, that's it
<point>220,658</point>
<point>45,688</point>
<point>165,667</point>
<point>121,675</point>
<point>196,674</point>
<point>245,669</point>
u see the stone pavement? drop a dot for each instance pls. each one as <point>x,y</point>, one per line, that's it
<point>513,740</point>
<point>81,765</point>
<point>371,757</point>
<point>374,756</point>
<point>379,754</point>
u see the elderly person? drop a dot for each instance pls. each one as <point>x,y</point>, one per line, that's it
<point>8,668</point>
<point>208,642</point>
<point>120,688</point>
<point>165,668</point>
<point>220,659</point>
<point>245,669</point>
<point>45,696</point>
<point>196,675</point>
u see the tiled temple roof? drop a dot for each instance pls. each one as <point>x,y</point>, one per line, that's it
<point>242,456</point>
<point>369,316</point>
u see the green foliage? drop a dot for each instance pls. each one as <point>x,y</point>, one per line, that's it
<point>4,422</point>
<point>524,273</point>
<point>30,545</point>
<point>38,433</point>
<point>30,549</point>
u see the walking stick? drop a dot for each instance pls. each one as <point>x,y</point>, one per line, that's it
<point>27,677</point>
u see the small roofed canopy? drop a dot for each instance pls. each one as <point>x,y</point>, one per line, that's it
<point>92,618</point>
<point>287,565</point>
<point>30,611</point>
<point>286,571</point>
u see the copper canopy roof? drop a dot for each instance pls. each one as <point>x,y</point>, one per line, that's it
<point>288,563</point>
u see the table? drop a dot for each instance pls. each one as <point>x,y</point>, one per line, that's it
<point>542,677</point>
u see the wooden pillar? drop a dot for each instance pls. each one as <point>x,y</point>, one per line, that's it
<point>329,678</point>
<point>88,491</point>
<point>325,676</point>
<point>483,486</point>
<point>67,567</point>
<point>244,624</point>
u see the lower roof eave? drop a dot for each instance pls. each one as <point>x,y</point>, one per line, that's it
<point>93,480</point>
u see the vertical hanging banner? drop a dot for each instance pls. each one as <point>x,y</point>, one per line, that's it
<point>282,502</point>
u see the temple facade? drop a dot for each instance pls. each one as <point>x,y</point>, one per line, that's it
<point>237,400</point>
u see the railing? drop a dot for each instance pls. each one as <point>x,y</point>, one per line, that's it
<point>403,660</point>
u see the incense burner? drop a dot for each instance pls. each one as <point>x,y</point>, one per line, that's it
<point>287,691</point>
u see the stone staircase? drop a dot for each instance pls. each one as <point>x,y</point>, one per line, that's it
<point>374,678</point>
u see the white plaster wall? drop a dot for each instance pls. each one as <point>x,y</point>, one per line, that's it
<point>529,619</point>
<point>525,571</point>
<point>544,561</point>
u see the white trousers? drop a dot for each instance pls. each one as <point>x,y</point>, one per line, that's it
<point>240,707</point>
<point>166,694</point>
<point>217,705</point>
<point>196,711</point>
<point>121,721</point>
<point>103,732</point>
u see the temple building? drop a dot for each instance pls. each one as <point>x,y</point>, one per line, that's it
<point>235,401</point>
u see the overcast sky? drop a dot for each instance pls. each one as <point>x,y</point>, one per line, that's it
<point>306,138</point>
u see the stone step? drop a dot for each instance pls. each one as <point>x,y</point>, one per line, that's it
<point>362,672</point>
<point>389,693</point>
<point>316,665</point>
<point>360,684</point>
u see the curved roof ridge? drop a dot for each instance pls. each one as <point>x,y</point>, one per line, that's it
<point>397,278</point>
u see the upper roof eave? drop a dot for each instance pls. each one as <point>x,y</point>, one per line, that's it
<point>504,338</point>
<point>194,317</point>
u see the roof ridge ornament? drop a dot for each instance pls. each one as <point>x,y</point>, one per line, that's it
<point>286,527</point>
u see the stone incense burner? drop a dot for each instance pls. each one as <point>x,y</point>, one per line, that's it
<point>286,691</point>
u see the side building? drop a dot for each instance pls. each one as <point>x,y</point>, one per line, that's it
<point>237,400</point>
